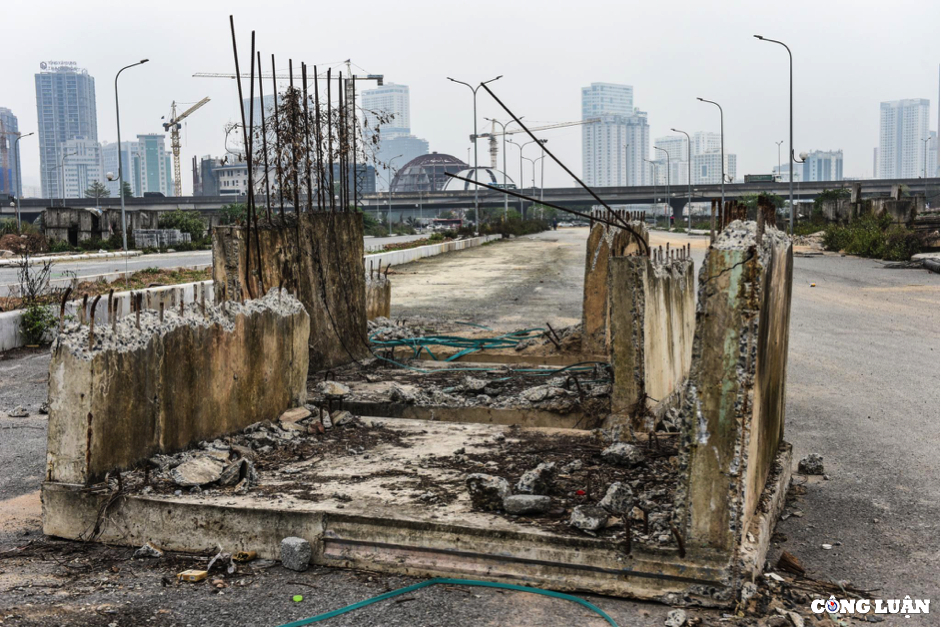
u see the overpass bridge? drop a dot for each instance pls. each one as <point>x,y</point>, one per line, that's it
<point>408,203</point>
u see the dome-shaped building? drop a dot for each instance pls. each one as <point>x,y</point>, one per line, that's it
<point>484,174</point>
<point>426,173</point>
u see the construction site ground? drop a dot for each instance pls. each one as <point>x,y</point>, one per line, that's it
<point>862,391</point>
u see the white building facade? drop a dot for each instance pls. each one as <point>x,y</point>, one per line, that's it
<point>614,148</point>
<point>822,165</point>
<point>903,124</point>
<point>81,166</point>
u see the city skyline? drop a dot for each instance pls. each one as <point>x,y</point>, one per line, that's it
<point>670,79</point>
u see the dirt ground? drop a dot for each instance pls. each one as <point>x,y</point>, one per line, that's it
<point>862,390</point>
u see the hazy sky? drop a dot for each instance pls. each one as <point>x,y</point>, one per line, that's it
<point>848,57</point>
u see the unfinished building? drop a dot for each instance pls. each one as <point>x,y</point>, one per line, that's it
<point>655,468</point>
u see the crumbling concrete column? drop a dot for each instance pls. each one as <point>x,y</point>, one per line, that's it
<point>120,395</point>
<point>604,242</point>
<point>652,311</point>
<point>319,257</point>
<point>378,297</point>
<point>733,412</point>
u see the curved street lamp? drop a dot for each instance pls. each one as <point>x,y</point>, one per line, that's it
<point>117,115</point>
<point>791,161</point>
<point>474,92</point>
<point>722,153</point>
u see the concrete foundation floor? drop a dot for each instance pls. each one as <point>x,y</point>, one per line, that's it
<point>862,390</point>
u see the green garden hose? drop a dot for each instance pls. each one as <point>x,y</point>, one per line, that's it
<point>459,581</point>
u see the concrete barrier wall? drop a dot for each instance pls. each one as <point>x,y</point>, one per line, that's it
<point>733,409</point>
<point>405,256</point>
<point>652,313</point>
<point>604,242</point>
<point>132,393</point>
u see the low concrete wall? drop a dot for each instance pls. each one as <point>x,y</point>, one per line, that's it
<point>33,260</point>
<point>10,337</point>
<point>901,211</point>
<point>378,297</point>
<point>321,260</point>
<point>405,256</point>
<point>733,410</point>
<point>133,393</point>
<point>604,242</point>
<point>653,313</point>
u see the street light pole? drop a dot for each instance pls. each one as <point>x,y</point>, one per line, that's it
<point>668,184</point>
<point>117,115</point>
<point>790,60</point>
<point>779,156</point>
<point>689,182</point>
<point>391,176</point>
<point>16,157</point>
<point>653,179</point>
<point>722,153</point>
<point>925,168</point>
<point>506,197</point>
<point>474,92</point>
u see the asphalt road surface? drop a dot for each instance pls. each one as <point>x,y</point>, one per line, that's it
<point>862,391</point>
<point>9,278</point>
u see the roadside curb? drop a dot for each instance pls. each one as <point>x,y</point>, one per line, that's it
<point>16,261</point>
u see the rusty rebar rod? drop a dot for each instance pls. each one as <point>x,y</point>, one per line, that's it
<point>329,164</point>
<point>264,140</point>
<point>91,324</point>
<point>277,139</point>
<point>310,194</point>
<point>65,298</point>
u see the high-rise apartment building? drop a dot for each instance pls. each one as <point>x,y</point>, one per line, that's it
<point>65,109</point>
<point>389,102</point>
<point>822,165</point>
<point>903,124</point>
<point>397,146</point>
<point>11,182</point>
<point>614,147</point>
<point>933,154</point>
<point>81,166</point>
<point>156,174</point>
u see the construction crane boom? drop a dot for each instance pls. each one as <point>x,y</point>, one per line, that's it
<point>173,125</point>
<point>494,133</point>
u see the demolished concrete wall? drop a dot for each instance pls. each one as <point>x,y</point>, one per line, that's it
<point>846,210</point>
<point>652,313</point>
<point>131,393</point>
<point>319,257</point>
<point>733,411</point>
<point>604,242</point>
<point>378,297</point>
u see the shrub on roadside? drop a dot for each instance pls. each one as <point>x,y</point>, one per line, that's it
<point>874,237</point>
<point>37,321</point>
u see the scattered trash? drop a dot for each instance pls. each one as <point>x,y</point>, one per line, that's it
<point>788,562</point>
<point>827,546</point>
<point>148,550</point>
<point>244,557</point>
<point>298,598</point>
<point>18,412</point>
<point>192,575</point>
<point>295,553</point>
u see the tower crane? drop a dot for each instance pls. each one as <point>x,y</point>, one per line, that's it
<point>173,125</point>
<point>494,134</point>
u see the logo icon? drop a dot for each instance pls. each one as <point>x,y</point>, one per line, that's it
<point>42,65</point>
<point>832,605</point>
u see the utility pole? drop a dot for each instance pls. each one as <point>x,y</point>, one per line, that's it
<point>16,157</point>
<point>722,155</point>
<point>670,205</point>
<point>689,181</point>
<point>117,116</point>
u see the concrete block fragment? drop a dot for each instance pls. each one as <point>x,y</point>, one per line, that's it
<point>537,481</point>
<point>487,492</point>
<point>811,464</point>
<point>527,504</point>
<point>197,471</point>
<point>295,553</point>
<point>623,454</point>
<point>588,518</point>
<point>619,498</point>
<point>294,415</point>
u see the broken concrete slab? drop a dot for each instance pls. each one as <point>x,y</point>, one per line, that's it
<point>378,297</point>
<point>197,471</point>
<point>527,504</point>
<point>487,492</point>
